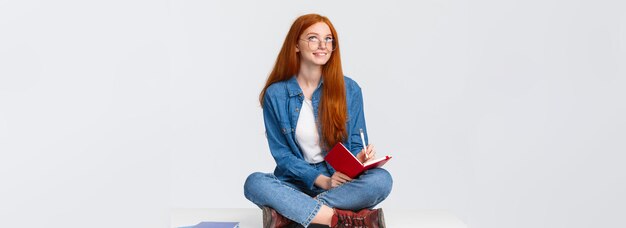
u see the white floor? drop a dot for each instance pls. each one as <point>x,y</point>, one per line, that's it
<point>251,217</point>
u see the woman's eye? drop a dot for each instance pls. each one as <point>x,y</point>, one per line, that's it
<point>313,38</point>
<point>329,39</point>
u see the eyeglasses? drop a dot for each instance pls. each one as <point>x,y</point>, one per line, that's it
<point>315,43</point>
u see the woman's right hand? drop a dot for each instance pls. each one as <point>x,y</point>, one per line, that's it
<point>338,179</point>
<point>335,180</point>
<point>323,182</point>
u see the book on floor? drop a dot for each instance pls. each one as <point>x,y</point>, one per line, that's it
<point>342,160</point>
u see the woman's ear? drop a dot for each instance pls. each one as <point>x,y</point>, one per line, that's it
<point>297,48</point>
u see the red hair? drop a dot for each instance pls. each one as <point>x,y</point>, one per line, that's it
<point>332,110</point>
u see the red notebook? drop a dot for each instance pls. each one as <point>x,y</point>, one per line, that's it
<point>342,160</point>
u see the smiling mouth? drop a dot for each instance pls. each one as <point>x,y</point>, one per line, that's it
<point>320,54</point>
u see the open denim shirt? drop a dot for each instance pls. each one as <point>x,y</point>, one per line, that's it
<point>281,108</point>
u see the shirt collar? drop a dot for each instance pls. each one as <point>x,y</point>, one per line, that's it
<point>294,89</point>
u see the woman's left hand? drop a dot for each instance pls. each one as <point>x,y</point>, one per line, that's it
<point>370,151</point>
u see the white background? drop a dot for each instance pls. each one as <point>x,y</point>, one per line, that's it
<point>506,113</point>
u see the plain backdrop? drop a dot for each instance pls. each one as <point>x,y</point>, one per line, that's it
<point>505,113</point>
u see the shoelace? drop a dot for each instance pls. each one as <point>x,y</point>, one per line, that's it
<point>349,221</point>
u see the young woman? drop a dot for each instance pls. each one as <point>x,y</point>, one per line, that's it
<point>308,107</point>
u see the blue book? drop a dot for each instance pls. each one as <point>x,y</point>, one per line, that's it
<point>214,225</point>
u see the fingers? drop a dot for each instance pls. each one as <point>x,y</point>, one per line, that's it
<point>339,178</point>
<point>371,153</point>
<point>361,156</point>
<point>335,183</point>
<point>342,176</point>
<point>367,153</point>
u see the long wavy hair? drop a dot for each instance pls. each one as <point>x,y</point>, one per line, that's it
<point>332,113</point>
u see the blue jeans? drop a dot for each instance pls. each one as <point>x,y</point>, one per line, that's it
<point>298,204</point>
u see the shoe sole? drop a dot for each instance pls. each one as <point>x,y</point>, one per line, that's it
<point>267,218</point>
<point>381,218</point>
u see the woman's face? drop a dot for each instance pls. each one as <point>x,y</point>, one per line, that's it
<point>315,44</point>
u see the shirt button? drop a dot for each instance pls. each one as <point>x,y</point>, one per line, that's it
<point>297,109</point>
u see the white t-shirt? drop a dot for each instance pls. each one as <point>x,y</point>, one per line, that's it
<point>307,135</point>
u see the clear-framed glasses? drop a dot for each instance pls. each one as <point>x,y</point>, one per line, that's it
<point>314,43</point>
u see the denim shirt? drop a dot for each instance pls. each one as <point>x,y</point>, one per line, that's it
<point>281,108</point>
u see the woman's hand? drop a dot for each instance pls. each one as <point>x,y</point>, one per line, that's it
<point>327,183</point>
<point>338,179</point>
<point>371,154</point>
<point>323,182</point>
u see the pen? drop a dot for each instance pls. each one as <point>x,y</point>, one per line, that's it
<point>364,146</point>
